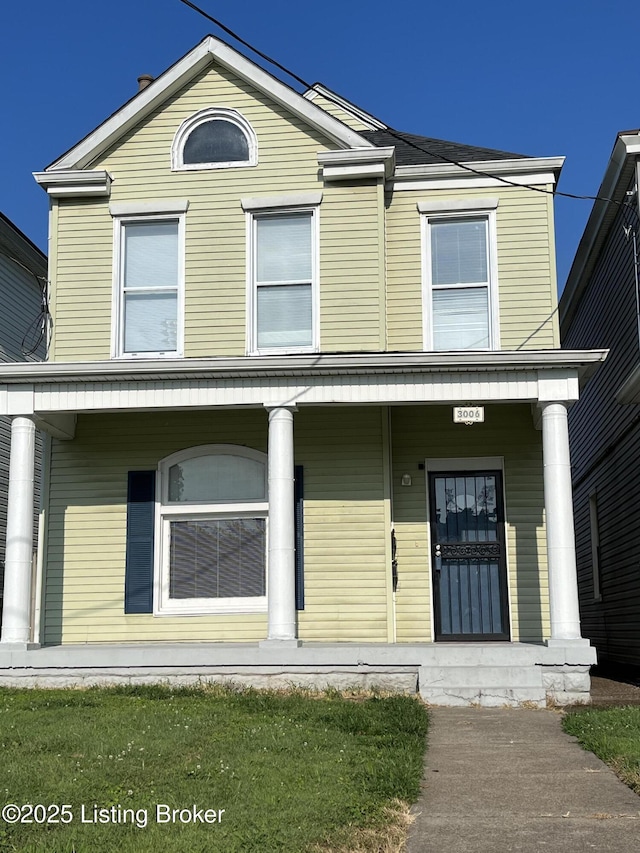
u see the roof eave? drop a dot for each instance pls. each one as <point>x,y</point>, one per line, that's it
<point>614,182</point>
<point>365,117</point>
<point>584,361</point>
<point>17,245</point>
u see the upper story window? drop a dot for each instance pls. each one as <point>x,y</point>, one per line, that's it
<point>213,531</point>
<point>460,286</point>
<point>148,285</point>
<point>215,138</point>
<point>283,278</point>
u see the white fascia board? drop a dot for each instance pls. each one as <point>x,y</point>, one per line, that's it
<point>356,172</point>
<point>75,182</point>
<point>469,181</point>
<point>172,80</point>
<point>357,163</point>
<point>631,142</point>
<point>356,112</point>
<point>506,168</point>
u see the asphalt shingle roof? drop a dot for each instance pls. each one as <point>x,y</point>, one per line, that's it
<point>414,150</point>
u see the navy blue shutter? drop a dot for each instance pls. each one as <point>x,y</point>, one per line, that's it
<point>298,496</point>
<point>138,579</point>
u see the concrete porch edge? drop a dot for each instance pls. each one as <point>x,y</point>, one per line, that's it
<point>487,674</point>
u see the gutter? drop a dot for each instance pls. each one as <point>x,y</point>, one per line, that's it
<point>585,361</point>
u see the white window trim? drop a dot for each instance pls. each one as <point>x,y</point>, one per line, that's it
<point>432,212</point>
<point>117,302</point>
<point>252,313</point>
<point>210,114</point>
<point>470,463</point>
<point>190,510</point>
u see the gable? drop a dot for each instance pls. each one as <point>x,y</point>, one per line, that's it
<point>209,51</point>
<point>281,135</point>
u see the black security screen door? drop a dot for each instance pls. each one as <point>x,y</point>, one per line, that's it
<point>468,556</point>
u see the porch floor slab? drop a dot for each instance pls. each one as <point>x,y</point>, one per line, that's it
<point>447,674</point>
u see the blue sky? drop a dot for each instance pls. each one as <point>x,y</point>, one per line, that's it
<point>544,79</point>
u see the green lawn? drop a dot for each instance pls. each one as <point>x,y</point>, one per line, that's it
<point>613,734</point>
<point>263,771</point>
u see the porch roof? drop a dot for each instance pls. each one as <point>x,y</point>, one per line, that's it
<point>54,392</point>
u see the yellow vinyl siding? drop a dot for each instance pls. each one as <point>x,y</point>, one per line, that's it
<point>351,309</point>
<point>83,281</point>
<point>216,232</point>
<point>526,270</point>
<point>87,524</point>
<point>345,545</point>
<point>344,525</point>
<point>419,433</point>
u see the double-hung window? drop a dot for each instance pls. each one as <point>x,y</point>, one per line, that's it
<point>283,281</point>
<point>148,286</point>
<point>212,516</point>
<point>460,298</point>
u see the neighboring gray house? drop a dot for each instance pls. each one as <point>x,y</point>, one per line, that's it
<point>600,307</point>
<point>23,276</point>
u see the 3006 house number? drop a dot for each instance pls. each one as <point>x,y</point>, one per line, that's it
<point>468,414</point>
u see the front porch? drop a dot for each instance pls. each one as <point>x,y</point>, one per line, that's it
<point>486,674</point>
<point>359,427</point>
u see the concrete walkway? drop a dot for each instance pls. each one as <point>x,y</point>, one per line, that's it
<point>507,780</point>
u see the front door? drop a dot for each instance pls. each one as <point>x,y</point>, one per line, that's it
<point>468,555</point>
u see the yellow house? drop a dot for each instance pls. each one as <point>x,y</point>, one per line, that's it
<point>305,406</point>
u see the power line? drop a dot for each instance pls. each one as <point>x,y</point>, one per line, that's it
<point>423,149</point>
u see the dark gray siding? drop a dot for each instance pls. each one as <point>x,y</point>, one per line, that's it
<point>605,451</point>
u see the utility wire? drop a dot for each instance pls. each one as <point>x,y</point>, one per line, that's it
<point>246,43</point>
<point>423,149</point>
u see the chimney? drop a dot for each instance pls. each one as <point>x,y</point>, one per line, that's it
<point>144,80</point>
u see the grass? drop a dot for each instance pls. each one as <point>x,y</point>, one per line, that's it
<point>613,734</point>
<point>292,772</point>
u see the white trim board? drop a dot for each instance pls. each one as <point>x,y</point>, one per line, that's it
<point>471,463</point>
<point>149,395</point>
<point>358,113</point>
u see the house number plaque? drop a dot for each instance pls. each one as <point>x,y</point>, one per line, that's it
<point>468,414</point>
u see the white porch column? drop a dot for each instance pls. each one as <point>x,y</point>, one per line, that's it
<point>16,612</point>
<point>281,584</point>
<point>561,552</point>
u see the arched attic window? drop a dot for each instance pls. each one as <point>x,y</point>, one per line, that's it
<point>212,515</point>
<point>215,138</point>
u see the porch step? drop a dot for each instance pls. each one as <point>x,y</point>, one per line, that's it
<point>491,676</point>
<point>489,686</point>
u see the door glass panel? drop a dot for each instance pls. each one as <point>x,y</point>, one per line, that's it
<point>466,508</point>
